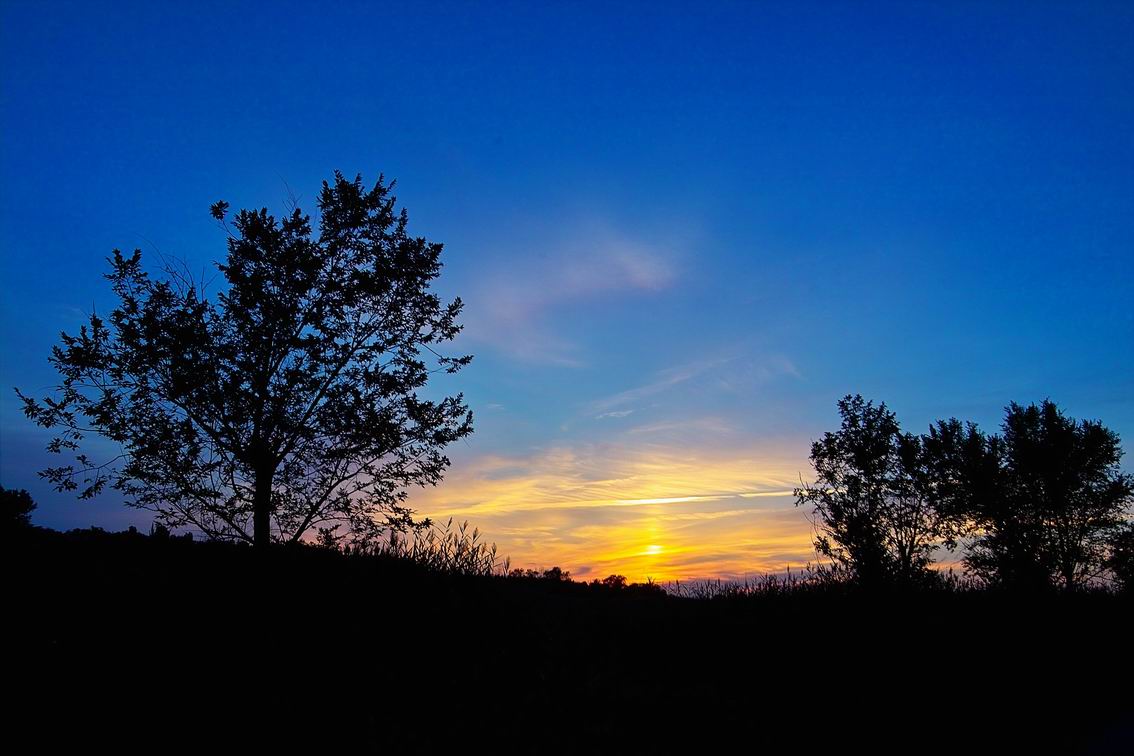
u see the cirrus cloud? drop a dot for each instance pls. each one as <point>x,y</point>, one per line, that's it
<point>636,509</point>
<point>511,306</point>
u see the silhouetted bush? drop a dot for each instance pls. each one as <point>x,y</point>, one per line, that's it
<point>16,506</point>
<point>1121,558</point>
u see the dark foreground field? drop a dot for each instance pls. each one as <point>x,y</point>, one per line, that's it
<point>141,643</point>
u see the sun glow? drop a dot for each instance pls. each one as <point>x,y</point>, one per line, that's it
<point>658,513</point>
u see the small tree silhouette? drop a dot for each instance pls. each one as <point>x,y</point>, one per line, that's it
<point>871,501</point>
<point>16,506</point>
<point>1121,558</point>
<point>1042,500</point>
<point>556,574</point>
<point>287,402</point>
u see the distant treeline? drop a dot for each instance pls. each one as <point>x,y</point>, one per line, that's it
<point>303,647</point>
<point>1042,504</point>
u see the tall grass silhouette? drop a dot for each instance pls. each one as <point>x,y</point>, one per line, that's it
<point>446,549</point>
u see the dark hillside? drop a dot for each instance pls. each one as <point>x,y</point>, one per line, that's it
<point>128,640</point>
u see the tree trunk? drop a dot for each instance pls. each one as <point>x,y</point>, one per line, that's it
<point>1069,577</point>
<point>262,509</point>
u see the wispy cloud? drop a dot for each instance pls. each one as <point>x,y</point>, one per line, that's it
<point>645,510</point>
<point>664,380</point>
<point>738,372</point>
<point>510,306</point>
<point>700,426</point>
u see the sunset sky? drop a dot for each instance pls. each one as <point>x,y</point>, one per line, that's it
<point>682,230</point>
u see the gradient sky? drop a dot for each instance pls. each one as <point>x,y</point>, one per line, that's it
<point>682,231</point>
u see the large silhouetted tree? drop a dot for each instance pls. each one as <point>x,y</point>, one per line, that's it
<point>286,402</point>
<point>870,502</point>
<point>1042,500</point>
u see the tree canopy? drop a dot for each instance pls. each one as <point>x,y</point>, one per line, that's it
<point>287,402</point>
<point>1042,503</point>
<point>16,506</point>
<point>875,520</point>
<point>1042,500</point>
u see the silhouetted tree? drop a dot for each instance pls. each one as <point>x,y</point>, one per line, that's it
<point>870,501</point>
<point>1121,558</point>
<point>287,402</point>
<point>1042,500</point>
<point>556,574</point>
<point>16,506</point>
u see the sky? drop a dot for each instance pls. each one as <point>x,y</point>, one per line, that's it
<point>682,230</point>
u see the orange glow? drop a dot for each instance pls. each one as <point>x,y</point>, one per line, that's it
<point>657,513</point>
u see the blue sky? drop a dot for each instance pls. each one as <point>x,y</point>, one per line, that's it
<point>682,230</point>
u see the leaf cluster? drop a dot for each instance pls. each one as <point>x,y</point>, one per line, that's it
<point>292,394</point>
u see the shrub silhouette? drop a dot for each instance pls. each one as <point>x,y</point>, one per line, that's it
<point>16,506</point>
<point>1121,558</point>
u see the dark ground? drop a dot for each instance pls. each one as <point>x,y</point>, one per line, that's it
<point>146,644</point>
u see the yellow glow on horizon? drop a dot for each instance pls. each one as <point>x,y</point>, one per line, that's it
<point>659,513</point>
<point>670,500</point>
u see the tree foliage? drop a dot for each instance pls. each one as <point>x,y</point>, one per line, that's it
<point>1120,561</point>
<point>871,498</point>
<point>290,400</point>
<point>16,506</point>
<point>1042,500</point>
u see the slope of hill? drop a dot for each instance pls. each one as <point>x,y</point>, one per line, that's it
<point>127,640</point>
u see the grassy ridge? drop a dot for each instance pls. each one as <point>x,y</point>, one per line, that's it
<point>127,639</point>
